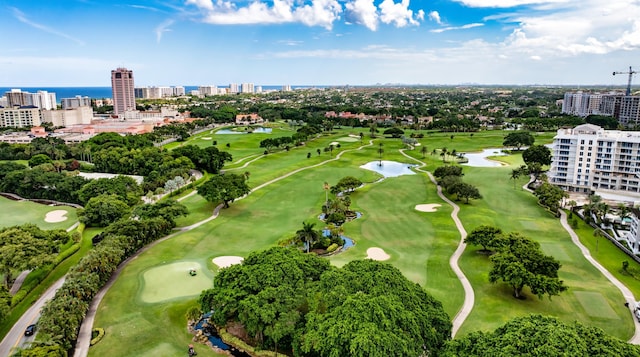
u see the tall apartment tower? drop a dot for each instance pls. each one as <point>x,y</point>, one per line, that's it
<point>123,94</point>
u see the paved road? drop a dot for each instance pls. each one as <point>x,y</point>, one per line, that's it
<point>15,337</point>
<point>469,295</point>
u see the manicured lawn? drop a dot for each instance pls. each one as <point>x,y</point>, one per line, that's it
<point>584,281</point>
<point>419,243</point>
<point>14,213</point>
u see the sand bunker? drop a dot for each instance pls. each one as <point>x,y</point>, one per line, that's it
<point>431,207</point>
<point>334,143</point>
<point>206,138</point>
<point>377,254</point>
<point>56,216</point>
<point>348,139</point>
<point>227,261</point>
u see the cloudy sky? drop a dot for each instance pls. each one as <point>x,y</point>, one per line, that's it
<point>321,42</point>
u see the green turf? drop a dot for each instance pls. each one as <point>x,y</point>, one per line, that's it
<point>418,243</point>
<point>595,305</point>
<point>14,213</point>
<point>171,281</point>
<point>498,208</point>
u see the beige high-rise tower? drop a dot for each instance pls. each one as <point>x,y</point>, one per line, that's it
<point>122,87</point>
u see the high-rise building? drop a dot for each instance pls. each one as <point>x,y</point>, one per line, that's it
<point>234,88</point>
<point>78,101</point>
<point>41,99</point>
<point>588,158</point>
<point>247,88</point>
<point>208,90</point>
<point>122,88</point>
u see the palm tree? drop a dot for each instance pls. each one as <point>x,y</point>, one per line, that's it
<point>380,152</point>
<point>515,174</point>
<point>423,151</point>
<point>307,234</point>
<point>444,154</point>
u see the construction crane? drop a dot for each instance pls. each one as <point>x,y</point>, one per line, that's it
<point>630,73</point>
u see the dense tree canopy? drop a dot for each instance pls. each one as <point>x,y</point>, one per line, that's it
<point>518,139</point>
<point>520,262</point>
<point>550,196</point>
<point>28,247</point>
<point>299,303</point>
<point>538,335</point>
<point>485,235</point>
<point>537,154</point>
<point>346,184</point>
<point>225,188</point>
<point>209,159</point>
<point>103,210</point>
<point>126,188</point>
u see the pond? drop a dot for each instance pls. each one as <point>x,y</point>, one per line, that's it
<point>214,339</point>
<point>259,130</point>
<point>389,168</point>
<point>479,159</point>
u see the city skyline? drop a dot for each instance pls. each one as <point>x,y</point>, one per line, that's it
<point>319,42</point>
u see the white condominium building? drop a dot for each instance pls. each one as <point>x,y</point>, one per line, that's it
<point>20,117</point>
<point>247,88</point>
<point>588,158</point>
<point>41,99</point>
<point>78,101</point>
<point>208,90</point>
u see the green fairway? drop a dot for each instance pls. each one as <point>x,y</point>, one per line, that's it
<point>418,243</point>
<point>14,213</point>
<point>527,217</point>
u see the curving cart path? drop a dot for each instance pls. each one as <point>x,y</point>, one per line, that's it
<point>628,295</point>
<point>469,295</point>
<point>84,336</point>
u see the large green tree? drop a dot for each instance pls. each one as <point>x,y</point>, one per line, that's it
<point>103,210</point>
<point>225,188</point>
<point>520,262</point>
<point>537,153</point>
<point>518,139</point>
<point>298,303</point>
<point>27,247</point>
<point>485,235</point>
<point>538,335</point>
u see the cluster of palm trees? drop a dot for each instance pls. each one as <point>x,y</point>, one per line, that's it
<point>597,210</point>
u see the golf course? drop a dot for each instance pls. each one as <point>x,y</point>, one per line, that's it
<point>403,222</point>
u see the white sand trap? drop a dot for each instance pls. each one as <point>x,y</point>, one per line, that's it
<point>354,136</point>
<point>347,139</point>
<point>377,254</point>
<point>227,261</point>
<point>206,138</point>
<point>56,216</point>
<point>431,207</point>
<point>334,143</point>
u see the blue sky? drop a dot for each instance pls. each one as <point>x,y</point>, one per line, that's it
<point>322,42</point>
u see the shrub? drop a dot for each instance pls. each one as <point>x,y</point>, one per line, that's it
<point>98,332</point>
<point>332,248</point>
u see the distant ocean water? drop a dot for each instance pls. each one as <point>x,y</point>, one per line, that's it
<point>105,92</point>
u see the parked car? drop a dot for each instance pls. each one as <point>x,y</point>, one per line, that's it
<point>30,330</point>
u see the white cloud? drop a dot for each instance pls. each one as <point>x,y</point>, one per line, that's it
<point>435,16</point>
<point>508,3</point>
<point>308,12</point>
<point>463,27</point>
<point>202,4</point>
<point>22,18</point>
<point>290,42</point>
<point>588,27</point>
<point>363,12</point>
<point>399,13</point>
<point>162,28</point>
<point>318,13</point>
